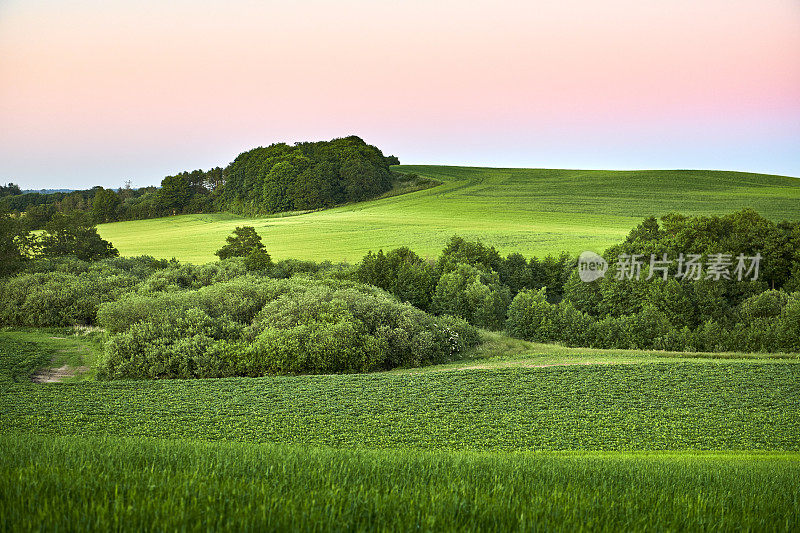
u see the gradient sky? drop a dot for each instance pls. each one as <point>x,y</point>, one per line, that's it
<point>96,92</point>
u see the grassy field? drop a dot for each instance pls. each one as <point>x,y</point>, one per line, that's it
<point>108,484</point>
<point>532,211</point>
<point>516,436</point>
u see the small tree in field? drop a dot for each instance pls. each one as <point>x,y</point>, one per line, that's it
<point>243,242</point>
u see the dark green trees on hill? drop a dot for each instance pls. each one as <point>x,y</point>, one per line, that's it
<point>280,177</point>
<point>307,175</point>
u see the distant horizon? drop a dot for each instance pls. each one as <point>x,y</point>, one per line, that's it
<point>105,92</point>
<point>63,189</point>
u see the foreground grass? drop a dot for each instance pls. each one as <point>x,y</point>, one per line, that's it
<point>725,405</point>
<point>531,211</point>
<point>144,485</point>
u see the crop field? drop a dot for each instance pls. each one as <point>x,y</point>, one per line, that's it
<point>144,484</point>
<point>531,211</point>
<point>730,405</point>
<point>516,436</point>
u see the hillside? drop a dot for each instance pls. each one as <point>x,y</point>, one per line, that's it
<point>533,211</point>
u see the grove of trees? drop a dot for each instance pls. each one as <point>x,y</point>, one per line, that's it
<point>280,177</point>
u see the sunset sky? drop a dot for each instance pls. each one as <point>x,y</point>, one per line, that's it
<point>96,92</point>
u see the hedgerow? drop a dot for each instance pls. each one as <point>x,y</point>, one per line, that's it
<point>253,327</point>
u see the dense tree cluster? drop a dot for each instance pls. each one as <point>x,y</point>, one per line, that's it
<point>545,300</point>
<point>305,176</point>
<point>63,235</point>
<point>10,189</point>
<point>280,177</point>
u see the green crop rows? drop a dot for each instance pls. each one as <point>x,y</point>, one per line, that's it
<point>665,406</point>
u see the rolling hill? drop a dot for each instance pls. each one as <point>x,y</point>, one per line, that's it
<point>532,211</point>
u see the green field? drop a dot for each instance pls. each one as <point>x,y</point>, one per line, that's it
<point>505,395</point>
<point>142,485</point>
<point>531,211</point>
<point>516,436</point>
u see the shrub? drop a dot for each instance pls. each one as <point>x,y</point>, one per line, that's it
<point>402,273</point>
<point>472,294</point>
<point>475,253</point>
<point>767,304</point>
<point>58,298</point>
<point>257,326</point>
<point>574,327</point>
<point>788,326</point>
<point>532,318</point>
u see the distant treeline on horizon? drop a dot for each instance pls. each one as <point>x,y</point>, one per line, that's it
<point>278,178</point>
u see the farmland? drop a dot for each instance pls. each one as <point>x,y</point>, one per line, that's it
<point>531,211</point>
<point>453,427</point>
<point>143,484</point>
<point>516,436</point>
<point>655,405</point>
<point>513,436</point>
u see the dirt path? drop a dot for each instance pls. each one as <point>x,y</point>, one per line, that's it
<point>56,375</point>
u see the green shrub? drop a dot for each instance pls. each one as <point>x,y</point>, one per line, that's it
<point>767,304</point>
<point>532,318</point>
<point>460,251</point>
<point>256,326</point>
<point>472,294</point>
<point>574,327</point>
<point>58,298</point>
<point>788,326</point>
<point>642,329</point>
<point>402,273</point>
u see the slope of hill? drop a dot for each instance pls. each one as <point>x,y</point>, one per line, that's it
<point>532,211</point>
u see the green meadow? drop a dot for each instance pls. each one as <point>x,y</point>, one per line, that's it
<point>531,211</point>
<point>517,436</point>
<point>156,485</point>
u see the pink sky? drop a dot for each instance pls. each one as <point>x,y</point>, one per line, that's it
<point>97,92</point>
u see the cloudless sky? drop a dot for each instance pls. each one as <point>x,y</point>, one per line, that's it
<point>96,92</point>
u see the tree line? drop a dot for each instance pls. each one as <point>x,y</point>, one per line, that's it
<point>280,177</point>
<point>231,318</point>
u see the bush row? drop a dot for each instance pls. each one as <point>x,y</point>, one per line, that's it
<point>256,326</point>
<point>765,322</point>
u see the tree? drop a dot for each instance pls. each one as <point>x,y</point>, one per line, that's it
<point>74,235</point>
<point>475,253</point>
<point>175,192</point>
<point>258,260</point>
<point>472,294</point>
<point>532,318</point>
<point>13,238</point>
<point>104,205</point>
<point>515,273</point>
<point>277,187</point>
<point>10,190</point>
<point>243,242</point>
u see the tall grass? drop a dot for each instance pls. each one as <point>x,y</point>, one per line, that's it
<point>146,485</point>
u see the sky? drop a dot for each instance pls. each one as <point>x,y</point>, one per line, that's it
<point>98,92</point>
